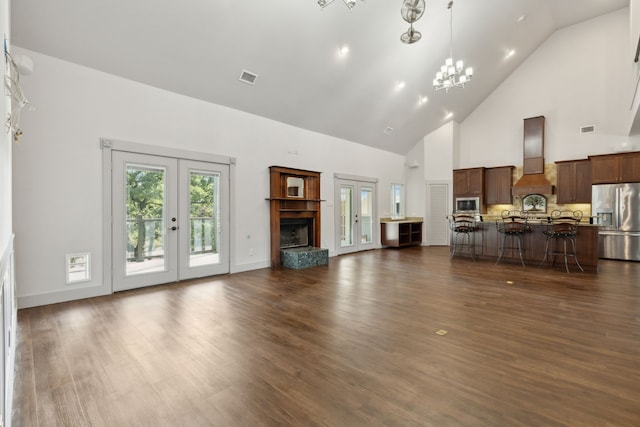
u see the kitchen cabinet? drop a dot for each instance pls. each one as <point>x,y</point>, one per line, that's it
<point>468,182</point>
<point>574,181</point>
<point>497,185</point>
<point>401,233</point>
<point>613,168</point>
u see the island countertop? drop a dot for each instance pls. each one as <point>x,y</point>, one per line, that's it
<point>488,240</point>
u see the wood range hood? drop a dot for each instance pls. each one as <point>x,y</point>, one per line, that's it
<point>533,180</point>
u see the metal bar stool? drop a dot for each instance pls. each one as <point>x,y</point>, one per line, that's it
<point>463,227</point>
<point>562,227</point>
<point>512,227</point>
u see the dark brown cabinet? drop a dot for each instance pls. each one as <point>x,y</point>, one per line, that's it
<point>574,181</point>
<point>613,168</point>
<point>497,185</point>
<point>399,234</point>
<point>533,145</point>
<point>468,182</point>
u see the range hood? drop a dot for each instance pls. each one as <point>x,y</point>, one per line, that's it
<point>533,180</point>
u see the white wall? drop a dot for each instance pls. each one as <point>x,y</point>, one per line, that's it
<point>57,168</point>
<point>5,147</point>
<point>581,75</point>
<point>440,152</point>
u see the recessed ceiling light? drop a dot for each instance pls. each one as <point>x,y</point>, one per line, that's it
<point>344,49</point>
<point>520,19</point>
<point>388,130</point>
<point>448,115</point>
<point>509,53</point>
<point>400,85</point>
<point>422,100</point>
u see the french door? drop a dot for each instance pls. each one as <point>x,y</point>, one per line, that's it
<point>355,216</point>
<point>170,219</point>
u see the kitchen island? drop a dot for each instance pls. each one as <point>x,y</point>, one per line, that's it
<point>487,244</point>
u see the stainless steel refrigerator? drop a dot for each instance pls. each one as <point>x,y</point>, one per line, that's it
<point>617,209</point>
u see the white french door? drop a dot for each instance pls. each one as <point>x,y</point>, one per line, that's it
<point>355,216</point>
<point>170,219</point>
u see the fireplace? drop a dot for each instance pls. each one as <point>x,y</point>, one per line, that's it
<point>294,209</point>
<point>294,233</point>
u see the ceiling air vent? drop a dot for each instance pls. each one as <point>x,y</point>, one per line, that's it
<point>588,129</point>
<point>388,130</point>
<point>248,77</point>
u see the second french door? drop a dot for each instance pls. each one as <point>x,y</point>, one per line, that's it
<point>355,216</point>
<point>170,219</point>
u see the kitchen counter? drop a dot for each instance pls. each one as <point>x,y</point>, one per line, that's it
<point>402,220</point>
<point>487,243</point>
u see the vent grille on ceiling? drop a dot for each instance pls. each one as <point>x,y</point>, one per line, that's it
<point>588,129</point>
<point>248,77</point>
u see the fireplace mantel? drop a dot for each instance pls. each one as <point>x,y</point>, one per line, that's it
<point>294,194</point>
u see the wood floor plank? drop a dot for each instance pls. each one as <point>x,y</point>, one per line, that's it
<point>353,343</point>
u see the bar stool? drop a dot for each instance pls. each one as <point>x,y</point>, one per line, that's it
<point>463,227</point>
<point>512,227</point>
<point>562,227</point>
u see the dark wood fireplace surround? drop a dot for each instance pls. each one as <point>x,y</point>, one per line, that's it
<point>287,202</point>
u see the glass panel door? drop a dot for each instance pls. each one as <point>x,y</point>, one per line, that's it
<point>347,216</point>
<point>356,215</point>
<point>170,219</point>
<point>203,209</point>
<point>144,220</point>
<point>366,214</point>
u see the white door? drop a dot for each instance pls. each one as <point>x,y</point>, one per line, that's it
<point>170,219</point>
<point>437,210</point>
<point>355,216</point>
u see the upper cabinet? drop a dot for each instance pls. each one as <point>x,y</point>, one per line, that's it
<point>497,184</point>
<point>574,181</point>
<point>468,182</point>
<point>613,168</point>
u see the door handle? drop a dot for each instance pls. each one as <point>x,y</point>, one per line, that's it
<point>174,228</point>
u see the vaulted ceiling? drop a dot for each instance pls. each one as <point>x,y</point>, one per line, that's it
<point>199,48</point>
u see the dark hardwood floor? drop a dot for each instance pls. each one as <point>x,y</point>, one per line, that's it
<point>353,343</point>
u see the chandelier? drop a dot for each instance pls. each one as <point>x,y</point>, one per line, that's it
<point>411,11</point>
<point>349,3</point>
<point>449,75</point>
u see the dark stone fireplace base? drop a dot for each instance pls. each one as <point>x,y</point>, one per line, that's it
<point>304,257</point>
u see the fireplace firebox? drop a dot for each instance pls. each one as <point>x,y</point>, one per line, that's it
<point>294,233</point>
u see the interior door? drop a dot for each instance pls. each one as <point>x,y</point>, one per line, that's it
<point>170,219</point>
<point>355,216</point>
<point>437,211</point>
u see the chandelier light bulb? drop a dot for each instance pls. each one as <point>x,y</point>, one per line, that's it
<point>448,62</point>
<point>469,71</point>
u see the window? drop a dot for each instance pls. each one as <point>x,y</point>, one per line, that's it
<point>78,268</point>
<point>397,201</point>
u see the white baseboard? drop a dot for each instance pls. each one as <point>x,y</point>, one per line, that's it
<point>35,300</point>
<point>239,268</point>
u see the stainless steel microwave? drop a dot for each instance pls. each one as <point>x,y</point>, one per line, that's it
<point>467,204</point>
